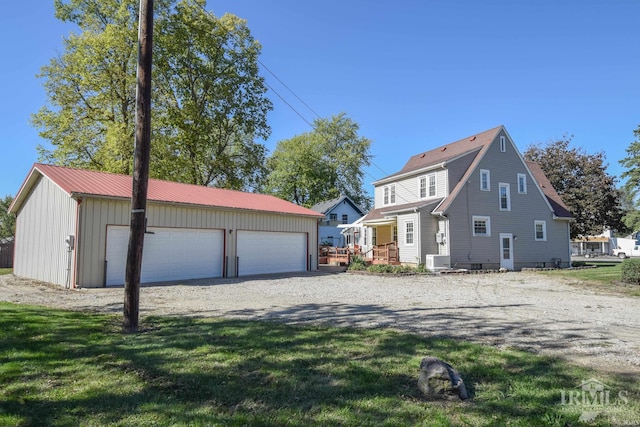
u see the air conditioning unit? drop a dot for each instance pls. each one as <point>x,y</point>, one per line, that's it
<point>438,262</point>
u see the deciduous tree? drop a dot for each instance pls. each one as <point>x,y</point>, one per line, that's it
<point>582,182</point>
<point>7,220</point>
<point>321,164</point>
<point>209,104</point>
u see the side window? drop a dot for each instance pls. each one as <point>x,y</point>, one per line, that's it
<point>540,228</point>
<point>485,180</point>
<point>432,185</point>
<point>503,144</point>
<point>392,194</point>
<point>522,183</point>
<point>505,197</point>
<point>423,186</point>
<point>408,232</point>
<point>481,226</point>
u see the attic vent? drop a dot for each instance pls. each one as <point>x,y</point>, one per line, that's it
<point>422,155</point>
<point>443,148</point>
<point>473,138</point>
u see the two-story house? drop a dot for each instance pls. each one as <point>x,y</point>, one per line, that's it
<point>473,204</point>
<point>339,211</point>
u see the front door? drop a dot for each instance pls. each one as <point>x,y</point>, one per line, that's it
<point>506,251</point>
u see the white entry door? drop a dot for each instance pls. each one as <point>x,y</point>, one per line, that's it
<point>168,254</point>
<point>506,251</point>
<point>261,252</point>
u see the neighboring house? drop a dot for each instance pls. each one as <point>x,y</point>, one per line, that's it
<point>473,204</point>
<point>337,212</point>
<point>72,228</point>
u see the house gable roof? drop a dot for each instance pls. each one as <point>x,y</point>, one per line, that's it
<point>87,183</point>
<point>476,145</point>
<point>445,153</point>
<point>328,205</point>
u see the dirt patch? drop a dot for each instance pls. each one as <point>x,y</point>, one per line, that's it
<point>514,310</point>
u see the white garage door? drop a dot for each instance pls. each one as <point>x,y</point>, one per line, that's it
<point>261,252</point>
<point>168,254</point>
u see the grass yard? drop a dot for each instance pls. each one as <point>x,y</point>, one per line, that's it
<point>605,277</point>
<point>65,368</point>
<point>5,271</point>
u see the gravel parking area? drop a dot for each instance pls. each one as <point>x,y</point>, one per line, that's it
<point>519,310</point>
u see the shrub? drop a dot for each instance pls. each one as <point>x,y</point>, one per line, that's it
<point>631,271</point>
<point>357,263</point>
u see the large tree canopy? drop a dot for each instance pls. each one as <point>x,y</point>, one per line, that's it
<point>321,164</point>
<point>582,182</point>
<point>208,105</point>
<point>632,185</point>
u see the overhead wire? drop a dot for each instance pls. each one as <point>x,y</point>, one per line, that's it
<point>397,195</point>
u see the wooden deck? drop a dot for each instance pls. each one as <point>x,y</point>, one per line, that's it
<point>386,253</point>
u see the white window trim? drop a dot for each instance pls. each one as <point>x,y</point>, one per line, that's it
<point>413,233</point>
<point>508,187</point>
<point>544,230</point>
<point>420,188</point>
<point>503,143</point>
<point>488,173</point>
<point>486,219</point>
<point>524,180</point>
<point>389,194</point>
<point>435,185</point>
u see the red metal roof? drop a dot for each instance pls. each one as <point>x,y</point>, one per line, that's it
<point>82,182</point>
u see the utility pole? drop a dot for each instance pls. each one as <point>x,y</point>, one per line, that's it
<point>140,168</point>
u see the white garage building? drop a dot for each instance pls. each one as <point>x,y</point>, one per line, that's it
<point>72,229</point>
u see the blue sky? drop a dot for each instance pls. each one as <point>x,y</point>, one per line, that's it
<point>414,74</point>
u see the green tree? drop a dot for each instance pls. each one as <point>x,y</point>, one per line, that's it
<point>321,164</point>
<point>582,182</point>
<point>632,185</point>
<point>208,104</point>
<point>7,220</point>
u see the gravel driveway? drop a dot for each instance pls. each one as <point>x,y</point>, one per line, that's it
<point>521,310</point>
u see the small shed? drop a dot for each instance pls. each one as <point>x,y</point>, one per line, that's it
<point>72,229</point>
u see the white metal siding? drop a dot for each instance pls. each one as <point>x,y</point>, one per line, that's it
<point>46,218</point>
<point>271,252</point>
<point>169,254</point>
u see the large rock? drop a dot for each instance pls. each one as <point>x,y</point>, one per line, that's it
<point>438,380</point>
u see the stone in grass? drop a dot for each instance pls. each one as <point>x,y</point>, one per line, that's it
<point>438,380</point>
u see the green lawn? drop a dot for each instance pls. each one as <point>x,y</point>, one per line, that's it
<point>71,368</point>
<point>605,277</point>
<point>5,271</point>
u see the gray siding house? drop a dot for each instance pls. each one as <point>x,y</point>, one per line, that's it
<point>72,229</point>
<point>472,204</point>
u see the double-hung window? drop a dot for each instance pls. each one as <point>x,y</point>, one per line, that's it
<point>389,195</point>
<point>423,187</point>
<point>522,183</point>
<point>505,196</point>
<point>408,233</point>
<point>345,219</point>
<point>540,229</point>
<point>481,225</point>
<point>485,180</point>
<point>432,185</point>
